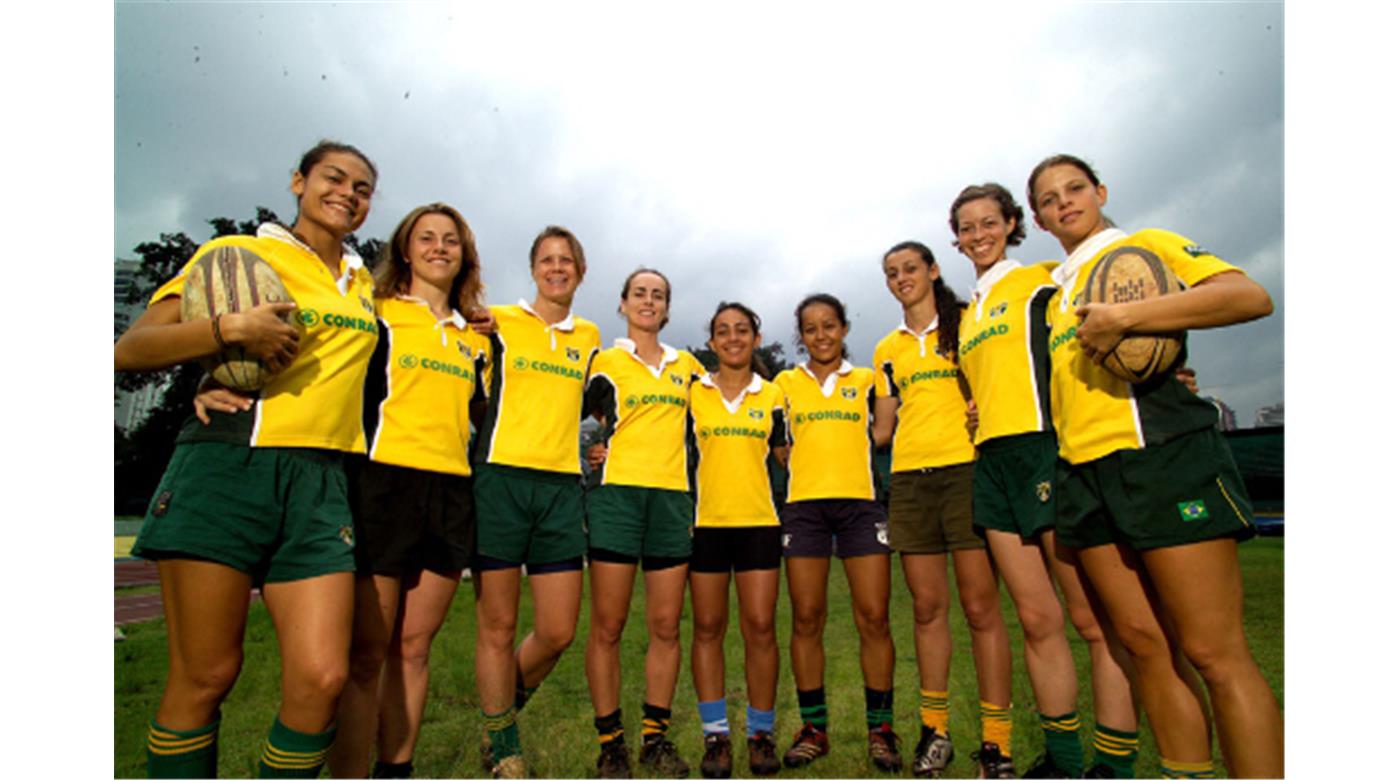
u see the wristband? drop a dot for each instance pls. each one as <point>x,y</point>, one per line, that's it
<point>218,336</point>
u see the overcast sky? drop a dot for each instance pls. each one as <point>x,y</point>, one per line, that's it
<point>748,153</point>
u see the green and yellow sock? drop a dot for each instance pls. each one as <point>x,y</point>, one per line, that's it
<point>609,727</point>
<point>1189,769</point>
<point>879,708</point>
<point>933,710</point>
<point>1116,749</point>
<point>996,726</point>
<point>1062,742</point>
<point>288,753</point>
<point>502,731</point>
<point>193,753</point>
<point>655,721</point>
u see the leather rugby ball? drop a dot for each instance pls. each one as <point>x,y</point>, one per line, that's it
<point>226,280</point>
<point>1133,273</point>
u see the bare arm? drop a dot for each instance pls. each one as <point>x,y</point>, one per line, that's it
<point>1223,299</point>
<point>158,339</point>
<point>882,429</point>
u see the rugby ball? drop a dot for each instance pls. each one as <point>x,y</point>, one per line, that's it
<point>1132,273</point>
<point>225,280</point>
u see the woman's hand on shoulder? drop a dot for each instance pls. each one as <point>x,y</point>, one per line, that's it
<point>482,320</point>
<point>213,396</point>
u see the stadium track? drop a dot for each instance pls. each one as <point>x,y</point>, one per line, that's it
<point>139,607</point>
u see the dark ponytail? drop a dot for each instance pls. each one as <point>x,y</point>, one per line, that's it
<point>946,303</point>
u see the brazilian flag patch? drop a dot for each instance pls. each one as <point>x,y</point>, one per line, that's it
<point>1193,510</point>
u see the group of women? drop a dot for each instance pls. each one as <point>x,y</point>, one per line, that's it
<point>1014,453</point>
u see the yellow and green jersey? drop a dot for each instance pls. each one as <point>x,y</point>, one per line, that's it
<point>1003,349</point>
<point>1095,413</point>
<point>317,400</point>
<point>422,379</point>
<point>644,411</point>
<point>732,441</point>
<point>932,426</point>
<point>829,427</point>
<point>538,373</point>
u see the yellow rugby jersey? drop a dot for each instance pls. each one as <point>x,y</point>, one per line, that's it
<point>317,400</point>
<point>644,412</point>
<point>732,441</point>
<point>832,454</point>
<point>538,373</point>
<point>1003,349</point>
<point>932,427</point>
<point>1094,412</point>
<point>422,379</point>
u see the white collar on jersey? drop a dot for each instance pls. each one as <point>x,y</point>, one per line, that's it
<point>988,280</point>
<point>668,354</point>
<point>755,385</point>
<point>932,326</point>
<point>566,324</point>
<point>455,318</point>
<point>1068,272</point>
<point>829,386</point>
<point>348,257</point>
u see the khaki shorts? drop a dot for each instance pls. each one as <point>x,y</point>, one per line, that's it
<point>931,510</point>
<point>278,514</point>
<point>1184,491</point>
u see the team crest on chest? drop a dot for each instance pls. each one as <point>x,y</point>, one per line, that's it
<point>366,305</point>
<point>904,383</point>
<point>997,310</point>
<point>465,350</point>
<point>756,414</point>
<point>571,353</point>
<point>848,393</point>
<point>677,380</point>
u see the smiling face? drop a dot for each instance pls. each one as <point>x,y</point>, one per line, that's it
<point>1068,204</point>
<point>335,195</point>
<point>645,302</point>
<point>983,232</point>
<point>823,333</point>
<point>556,271</point>
<point>733,339</point>
<point>908,277</point>
<point>434,251</point>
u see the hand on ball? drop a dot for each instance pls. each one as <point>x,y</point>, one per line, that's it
<point>1101,327</point>
<point>264,332</point>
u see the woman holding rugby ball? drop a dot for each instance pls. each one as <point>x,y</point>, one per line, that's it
<point>1005,358</point>
<point>246,505</point>
<point>931,508</point>
<point>738,421</point>
<point>527,484</point>
<point>412,496</point>
<point>1159,550</point>
<point>640,512</point>
<point>831,494</point>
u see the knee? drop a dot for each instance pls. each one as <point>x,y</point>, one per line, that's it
<point>605,630</point>
<point>1040,621</point>
<point>496,635</point>
<point>1086,624</point>
<point>209,683</point>
<point>808,620</point>
<point>317,684</point>
<point>414,648</point>
<point>709,629</point>
<point>872,623</point>
<point>554,640</point>
<point>1218,658</point>
<point>1144,640</point>
<point>758,630</point>
<point>930,610</point>
<point>665,629</point>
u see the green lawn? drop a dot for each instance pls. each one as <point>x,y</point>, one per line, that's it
<point>557,726</point>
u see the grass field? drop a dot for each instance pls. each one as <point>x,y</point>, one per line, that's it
<point>557,727</point>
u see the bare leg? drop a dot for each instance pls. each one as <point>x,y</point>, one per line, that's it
<point>1049,663</point>
<point>869,579</point>
<point>313,618</point>
<point>610,591</point>
<point>497,605</point>
<point>376,609</point>
<point>206,610</point>
<point>709,603</point>
<point>665,599</point>
<point>927,578</point>
<point>404,690</point>
<point>1200,586</point>
<point>758,603</point>
<point>807,589</point>
<point>981,605</point>
<point>1170,695</point>
<point>556,598</point>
